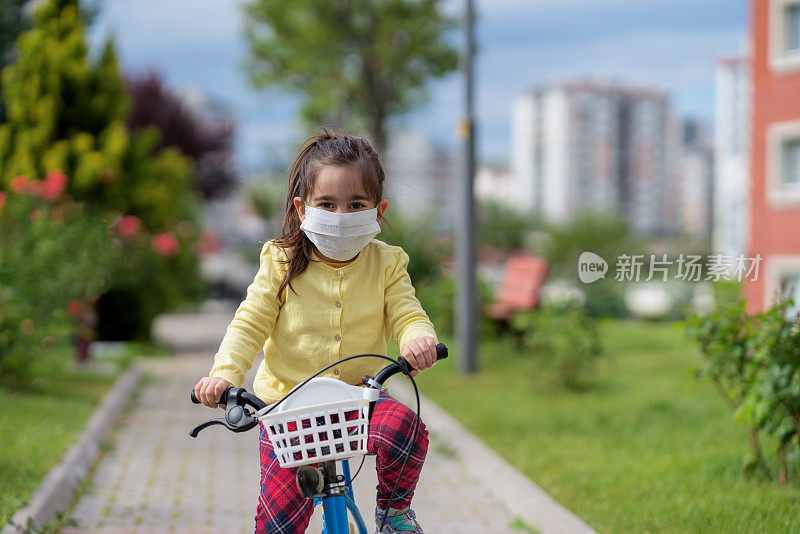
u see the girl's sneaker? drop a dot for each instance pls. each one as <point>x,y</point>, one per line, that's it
<point>399,520</point>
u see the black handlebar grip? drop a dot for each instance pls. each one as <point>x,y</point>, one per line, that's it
<point>441,354</point>
<point>223,399</point>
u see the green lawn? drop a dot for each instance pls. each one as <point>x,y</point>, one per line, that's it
<point>38,426</point>
<point>649,449</point>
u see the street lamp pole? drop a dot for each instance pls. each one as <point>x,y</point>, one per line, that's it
<point>466,306</point>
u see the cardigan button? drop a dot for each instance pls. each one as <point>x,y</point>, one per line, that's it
<point>337,337</point>
<point>337,272</point>
<point>338,304</point>
<point>336,371</point>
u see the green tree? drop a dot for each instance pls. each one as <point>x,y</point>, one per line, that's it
<point>358,62</point>
<point>14,19</point>
<point>602,233</point>
<point>502,227</point>
<point>12,22</point>
<point>68,112</point>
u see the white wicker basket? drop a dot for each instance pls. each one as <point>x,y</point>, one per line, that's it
<point>326,419</point>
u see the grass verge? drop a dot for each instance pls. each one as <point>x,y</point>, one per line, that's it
<point>649,449</point>
<point>39,424</point>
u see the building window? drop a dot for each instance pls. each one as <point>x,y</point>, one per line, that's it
<point>791,162</point>
<point>791,33</point>
<point>784,35</point>
<point>783,165</point>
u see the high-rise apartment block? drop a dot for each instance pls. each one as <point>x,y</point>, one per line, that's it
<point>732,155</point>
<point>695,179</point>
<point>585,145</point>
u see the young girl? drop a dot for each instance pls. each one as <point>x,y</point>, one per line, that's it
<point>326,290</point>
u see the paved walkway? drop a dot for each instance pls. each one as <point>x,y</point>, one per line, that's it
<point>155,478</point>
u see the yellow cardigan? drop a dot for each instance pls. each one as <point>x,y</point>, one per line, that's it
<point>337,312</point>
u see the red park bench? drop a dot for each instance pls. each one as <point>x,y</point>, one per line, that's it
<point>519,289</point>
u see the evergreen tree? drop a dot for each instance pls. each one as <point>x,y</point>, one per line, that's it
<point>12,22</point>
<point>15,19</point>
<point>69,113</point>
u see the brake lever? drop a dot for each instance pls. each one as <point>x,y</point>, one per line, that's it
<point>237,418</point>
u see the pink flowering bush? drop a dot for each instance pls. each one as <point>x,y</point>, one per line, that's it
<point>54,255</point>
<point>129,226</point>
<point>165,244</point>
<point>69,271</point>
<point>159,272</point>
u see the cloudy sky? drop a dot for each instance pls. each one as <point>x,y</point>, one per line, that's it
<point>665,43</point>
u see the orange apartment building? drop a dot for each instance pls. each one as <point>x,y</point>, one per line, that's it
<point>775,152</point>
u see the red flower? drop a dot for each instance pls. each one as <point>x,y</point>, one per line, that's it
<point>75,309</point>
<point>35,187</point>
<point>165,244</point>
<point>129,226</point>
<point>19,184</point>
<point>54,185</point>
<point>2,199</point>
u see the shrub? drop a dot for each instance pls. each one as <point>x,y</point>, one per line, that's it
<point>419,239</point>
<point>55,256</point>
<point>754,361</point>
<point>604,234</point>
<point>160,271</point>
<point>563,342</point>
<point>502,227</point>
<point>437,297</point>
<point>605,298</point>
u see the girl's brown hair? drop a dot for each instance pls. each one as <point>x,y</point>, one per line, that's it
<point>319,150</point>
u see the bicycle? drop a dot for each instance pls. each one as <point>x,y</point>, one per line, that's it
<point>325,423</point>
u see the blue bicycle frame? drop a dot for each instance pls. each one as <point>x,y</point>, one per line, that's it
<point>334,508</point>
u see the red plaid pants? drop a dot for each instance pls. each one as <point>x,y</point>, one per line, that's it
<point>282,509</point>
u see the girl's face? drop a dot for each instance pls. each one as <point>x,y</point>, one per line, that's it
<point>339,190</point>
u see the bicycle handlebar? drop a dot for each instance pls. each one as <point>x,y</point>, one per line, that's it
<point>247,398</point>
<point>404,367</point>
<point>239,419</point>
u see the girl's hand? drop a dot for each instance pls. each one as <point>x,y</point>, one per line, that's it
<point>210,389</point>
<point>420,352</point>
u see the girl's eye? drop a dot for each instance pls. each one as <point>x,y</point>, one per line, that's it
<point>356,205</point>
<point>326,205</point>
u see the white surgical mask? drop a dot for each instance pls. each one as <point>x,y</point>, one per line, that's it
<point>340,236</point>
